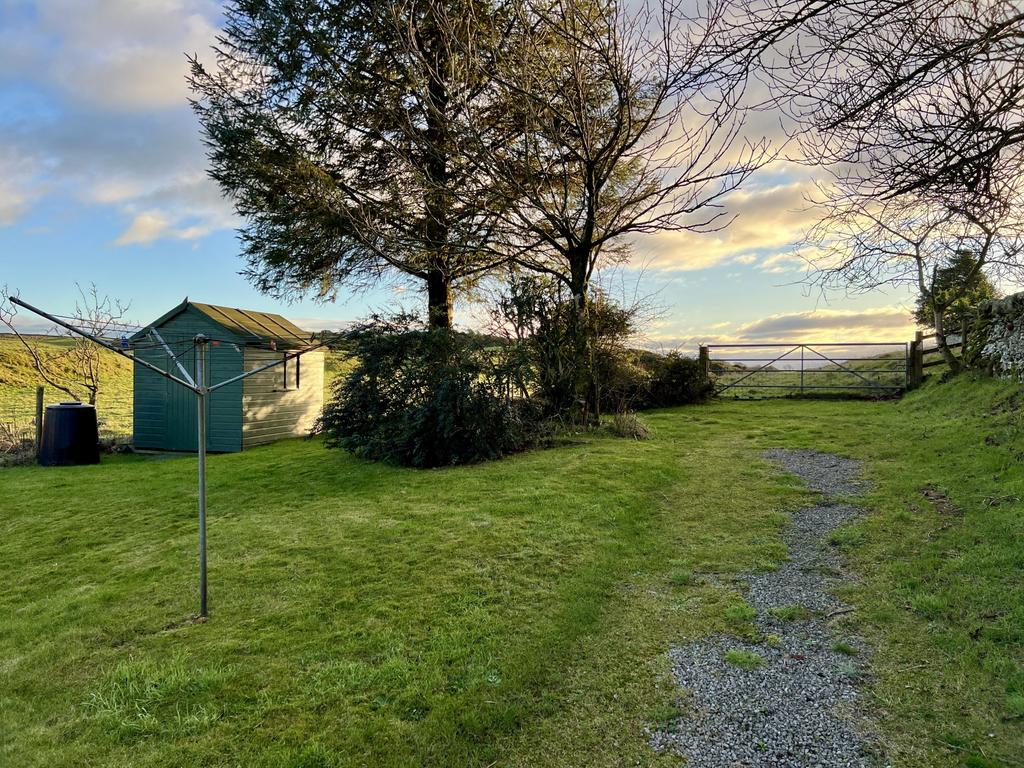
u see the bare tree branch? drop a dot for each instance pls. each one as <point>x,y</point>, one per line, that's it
<point>76,369</point>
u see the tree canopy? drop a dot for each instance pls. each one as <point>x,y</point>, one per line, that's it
<point>339,128</point>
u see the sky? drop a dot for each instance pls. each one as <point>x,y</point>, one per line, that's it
<point>105,182</point>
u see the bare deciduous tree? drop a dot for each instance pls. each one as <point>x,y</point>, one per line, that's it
<point>612,126</point>
<point>841,68</point>
<point>917,110</point>
<point>75,369</point>
<point>933,100</point>
<point>863,244</point>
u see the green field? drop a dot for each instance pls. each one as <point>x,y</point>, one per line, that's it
<point>515,613</point>
<point>19,379</point>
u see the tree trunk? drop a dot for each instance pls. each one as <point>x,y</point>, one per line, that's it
<point>439,300</point>
<point>439,284</point>
<point>585,384</point>
<point>940,340</point>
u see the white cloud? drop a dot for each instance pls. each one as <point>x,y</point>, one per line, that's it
<point>123,55</point>
<point>107,191</point>
<point>779,263</point>
<point>20,184</point>
<point>13,202</point>
<point>831,325</point>
<point>100,112</point>
<point>187,207</point>
<point>183,211</point>
<point>875,324</point>
<point>766,219</point>
<point>144,228</point>
<point>322,323</point>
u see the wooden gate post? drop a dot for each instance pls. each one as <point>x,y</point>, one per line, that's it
<point>916,361</point>
<point>39,420</point>
<point>704,360</point>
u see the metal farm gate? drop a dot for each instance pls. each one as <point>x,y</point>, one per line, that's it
<point>830,368</point>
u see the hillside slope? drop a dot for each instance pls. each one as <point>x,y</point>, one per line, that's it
<point>19,379</point>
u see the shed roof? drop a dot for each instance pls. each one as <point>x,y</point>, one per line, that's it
<point>252,326</point>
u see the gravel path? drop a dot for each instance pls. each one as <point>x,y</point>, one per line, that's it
<point>799,707</point>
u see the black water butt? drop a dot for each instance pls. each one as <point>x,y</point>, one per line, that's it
<point>70,435</point>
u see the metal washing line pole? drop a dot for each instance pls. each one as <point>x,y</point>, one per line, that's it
<point>201,391</point>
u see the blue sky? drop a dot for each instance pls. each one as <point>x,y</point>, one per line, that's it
<point>105,182</point>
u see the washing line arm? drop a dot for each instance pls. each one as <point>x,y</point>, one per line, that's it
<point>254,371</point>
<point>105,345</point>
<point>184,371</point>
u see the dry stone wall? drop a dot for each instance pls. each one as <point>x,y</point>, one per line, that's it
<point>1001,336</point>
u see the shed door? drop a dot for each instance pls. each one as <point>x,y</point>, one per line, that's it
<point>181,428</point>
<point>223,407</point>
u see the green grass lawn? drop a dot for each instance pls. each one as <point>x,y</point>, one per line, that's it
<point>515,613</point>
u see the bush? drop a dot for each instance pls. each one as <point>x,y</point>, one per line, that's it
<point>427,398</point>
<point>678,380</point>
<point>641,380</point>
<point>17,444</point>
<point>563,345</point>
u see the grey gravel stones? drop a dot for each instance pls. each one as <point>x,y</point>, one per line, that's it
<point>797,706</point>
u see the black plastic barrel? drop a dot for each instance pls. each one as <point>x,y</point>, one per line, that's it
<point>70,435</point>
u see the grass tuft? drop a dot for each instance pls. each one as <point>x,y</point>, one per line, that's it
<point>627,424</point>
<point>663,716</point>
<point>744,659</point>
<point>681,578</point>
<point>739,613</point>
<point>142,697</point>
<point>845,648</point>
<point>790,613</point>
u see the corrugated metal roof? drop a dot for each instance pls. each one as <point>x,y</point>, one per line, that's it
<point>262,326</point>
<point>249,325</point>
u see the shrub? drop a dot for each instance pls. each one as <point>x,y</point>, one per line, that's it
<point>427,398</point>
<point>628,424</point>
<point>640,380</point>
<point>565,345</point>
<point>17,445</point>
<point>678,380</point>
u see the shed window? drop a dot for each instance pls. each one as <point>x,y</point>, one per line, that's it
<point>292,373</point>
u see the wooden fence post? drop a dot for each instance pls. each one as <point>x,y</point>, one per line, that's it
<point>39,420</point>
<point>704,359</point>
<point>916,361</point>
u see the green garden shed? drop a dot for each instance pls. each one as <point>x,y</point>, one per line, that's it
<point>278,403</point>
